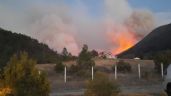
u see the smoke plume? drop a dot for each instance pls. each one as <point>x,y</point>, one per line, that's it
<point>61,25</point>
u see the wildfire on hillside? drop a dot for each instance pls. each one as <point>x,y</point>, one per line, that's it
<point>123,39</point>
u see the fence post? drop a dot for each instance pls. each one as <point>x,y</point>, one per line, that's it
<point>92,73</point>
<point>65,74</point>
<point>115,71</point>
<point>139,71</point>
<point>162,70</point>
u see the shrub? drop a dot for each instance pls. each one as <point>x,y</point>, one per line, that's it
<point>101,86</point>
<point>59,67</point>
<point>81,73</point>
<point>103,69</point>
<point>122,67</point>
<point>162,57</point>
<point>23,79</point>
<point>85,64</point>
<point>73,69</point>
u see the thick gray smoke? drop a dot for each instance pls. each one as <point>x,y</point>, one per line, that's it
<point>142,22</point>
<point>60,25</point>
<point>125,25</point>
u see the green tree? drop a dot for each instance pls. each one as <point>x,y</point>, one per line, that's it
<point>94,53</point>
<point>85,60</point>
<point>101,86</point>
<point>84,64</point>
<point>23,78</point>
<point>65,54</point>
<point>162,57</point>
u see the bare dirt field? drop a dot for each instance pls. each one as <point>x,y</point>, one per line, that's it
<point>130,84</point>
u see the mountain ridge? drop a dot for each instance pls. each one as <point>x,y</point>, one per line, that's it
<point>158,40</point>
<point>13,43</point>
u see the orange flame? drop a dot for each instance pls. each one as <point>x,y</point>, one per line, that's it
<point>122,40</point>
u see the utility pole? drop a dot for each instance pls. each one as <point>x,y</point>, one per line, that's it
<point>139,71</point>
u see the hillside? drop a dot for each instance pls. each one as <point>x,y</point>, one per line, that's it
<point>13,43</point>
<point>158,40</point>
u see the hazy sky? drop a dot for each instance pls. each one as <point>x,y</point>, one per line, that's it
<point>71,23</point>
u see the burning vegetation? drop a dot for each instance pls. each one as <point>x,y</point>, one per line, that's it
<point>123,41</point>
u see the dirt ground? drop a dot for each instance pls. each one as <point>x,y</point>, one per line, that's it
<point>130,84</point>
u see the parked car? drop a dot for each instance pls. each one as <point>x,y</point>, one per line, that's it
<point>167,80</point>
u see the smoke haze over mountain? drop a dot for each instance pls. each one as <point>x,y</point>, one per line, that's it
<point>60,24</point>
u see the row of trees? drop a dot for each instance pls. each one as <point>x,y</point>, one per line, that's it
<point>22,78</point>
<point>84,62</point>
<point>101,85</point>
<point>66,56</point>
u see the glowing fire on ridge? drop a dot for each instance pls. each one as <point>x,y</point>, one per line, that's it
<point>122,41</point>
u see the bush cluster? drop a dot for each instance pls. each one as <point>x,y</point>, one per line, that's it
<point>162,57</point>
<point>101,86</point>
<point>22,78</point>
<point>122,67</point>
<point>59,67</point>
